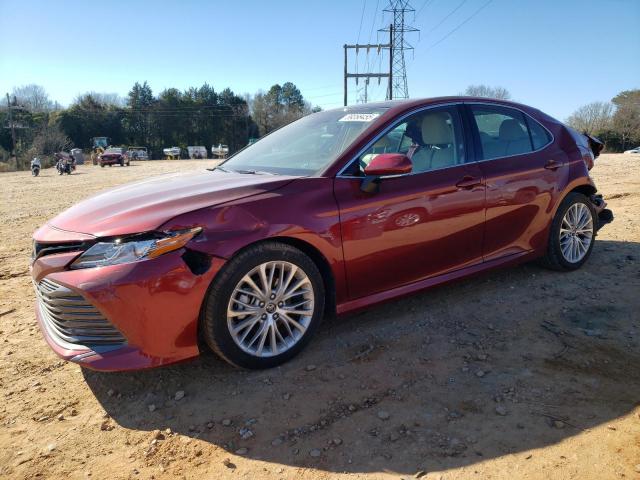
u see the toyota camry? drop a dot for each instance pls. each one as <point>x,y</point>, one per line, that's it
<point>333,213</point>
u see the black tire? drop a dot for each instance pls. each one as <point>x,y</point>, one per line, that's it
<point>213,321</point>
<point>101,165</point>
<point>554,259</point>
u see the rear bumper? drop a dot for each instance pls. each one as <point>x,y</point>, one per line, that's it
<point>604,214</point>
<point>155,305</point>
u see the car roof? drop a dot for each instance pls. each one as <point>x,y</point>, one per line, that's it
<point>399,105</point>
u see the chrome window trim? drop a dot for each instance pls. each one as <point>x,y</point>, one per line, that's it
<point>430,107</point>
<point>384,132</point>
<point>553,138</point>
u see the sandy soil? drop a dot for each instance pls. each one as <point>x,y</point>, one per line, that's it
<point>520,373</point>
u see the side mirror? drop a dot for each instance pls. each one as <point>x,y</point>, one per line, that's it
<point>385,164</point>
<point>388,164</point>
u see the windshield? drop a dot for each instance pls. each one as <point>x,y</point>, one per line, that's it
<point>305,146</point>
<point>114,150</point>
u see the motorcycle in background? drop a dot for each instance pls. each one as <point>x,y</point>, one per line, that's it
<point>65,163</point>
<point>35,166</point>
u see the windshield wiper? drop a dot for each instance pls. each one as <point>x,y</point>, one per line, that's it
<point>245,172</point>
<point>219,168</point>
<point>254,172</point>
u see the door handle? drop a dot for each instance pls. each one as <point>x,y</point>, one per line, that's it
<point>552,165</point>
<point>468,182</point>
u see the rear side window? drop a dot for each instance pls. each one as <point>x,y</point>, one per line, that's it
<point>504,132</point>
<point>539,135</point>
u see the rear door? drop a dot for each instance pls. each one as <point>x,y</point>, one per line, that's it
<point>522,167</point>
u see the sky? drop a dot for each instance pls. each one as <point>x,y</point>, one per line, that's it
<point>552,54</point>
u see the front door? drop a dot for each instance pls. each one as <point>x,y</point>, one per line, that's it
<point>418,225</point>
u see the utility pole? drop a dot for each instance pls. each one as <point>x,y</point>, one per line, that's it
<point>379,47</point>
<point>12,127</point>
<point>399,10</point>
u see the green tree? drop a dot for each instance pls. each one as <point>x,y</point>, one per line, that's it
<point>279,106</point>
<point>626,120</point>
<point>88,118</point>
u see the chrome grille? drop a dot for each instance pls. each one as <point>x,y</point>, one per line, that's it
<point>72,321</point>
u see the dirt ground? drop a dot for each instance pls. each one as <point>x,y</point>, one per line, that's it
<point>519,373</point>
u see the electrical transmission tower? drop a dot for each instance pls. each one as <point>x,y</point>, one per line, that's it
<point>399,9</point>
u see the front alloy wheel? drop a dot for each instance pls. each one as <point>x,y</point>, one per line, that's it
<point>270,309</point>
<point>264,306</point>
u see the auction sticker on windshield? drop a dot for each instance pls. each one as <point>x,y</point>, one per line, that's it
<point>359,117</point>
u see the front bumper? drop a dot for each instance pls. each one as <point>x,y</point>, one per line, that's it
<point>154,304</point>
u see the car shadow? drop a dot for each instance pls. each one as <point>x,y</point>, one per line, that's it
<point>503,363</point>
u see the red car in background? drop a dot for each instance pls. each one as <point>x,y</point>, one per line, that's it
<point>333,213</point>
<point>114,156</point>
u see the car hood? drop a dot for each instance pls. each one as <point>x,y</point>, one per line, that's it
<point>146,205</point>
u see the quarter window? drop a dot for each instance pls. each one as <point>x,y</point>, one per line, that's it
<point>505,132</point>
<point>431,139</point>
<point>539,135</point>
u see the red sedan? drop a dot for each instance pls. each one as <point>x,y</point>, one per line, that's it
<point>336,212</point>
<point>114,156</point>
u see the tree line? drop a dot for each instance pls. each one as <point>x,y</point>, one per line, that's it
<point>617,122</point>
<point>195,116</point>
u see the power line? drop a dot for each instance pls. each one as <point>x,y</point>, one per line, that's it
<point>426,2</point>
<point>364,6</point>
<point>446,17</point>
<point>373,23</point>
<point>459,26</point>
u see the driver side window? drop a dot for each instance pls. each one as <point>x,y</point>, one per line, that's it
<point>431,139</point>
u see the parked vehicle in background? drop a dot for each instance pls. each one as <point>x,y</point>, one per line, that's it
<point>98,146</point>
<point>197,152</point>
<point>78,156</point>
<point>172,153</point>
<point>333,213</point>
<point>633,151</point>
<point>65,163</point>
<point>138,153</point>
<point>221,151</point>
<point>114,156</point>
<point>35,166</point>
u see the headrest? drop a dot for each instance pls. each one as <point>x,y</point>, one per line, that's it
<point>436,130</point>
<point>511,130</point>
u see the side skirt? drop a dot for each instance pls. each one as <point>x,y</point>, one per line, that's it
<point>404,290</point>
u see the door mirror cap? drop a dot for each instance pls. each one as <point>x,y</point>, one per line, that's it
<point>388,164</point>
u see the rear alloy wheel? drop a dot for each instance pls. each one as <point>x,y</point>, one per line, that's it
<point>572,233</point>
<point>576,232</point>
<point>264,306</point>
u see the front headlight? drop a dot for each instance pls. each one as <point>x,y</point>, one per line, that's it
<point>134,249</point>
